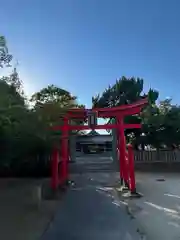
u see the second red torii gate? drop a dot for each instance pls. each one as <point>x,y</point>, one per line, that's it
<point>60,177</point>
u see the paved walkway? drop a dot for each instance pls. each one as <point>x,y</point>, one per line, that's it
<point>87,214</point>
<point>158,212</point>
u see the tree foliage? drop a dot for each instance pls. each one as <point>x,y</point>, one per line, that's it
<point>160,122</point>
<point>162,126</point>
<point>124,91</point>
<point>25,132</point>
<point>5,57</point>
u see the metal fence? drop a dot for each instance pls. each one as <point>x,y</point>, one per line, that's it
<point>157,156</point>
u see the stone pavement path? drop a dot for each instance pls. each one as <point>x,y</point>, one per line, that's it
<point>86,214</point>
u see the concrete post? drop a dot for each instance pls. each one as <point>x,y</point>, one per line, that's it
<point>36,196</point>
<point>72,146</point>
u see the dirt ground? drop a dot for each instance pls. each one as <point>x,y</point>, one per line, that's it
<point>22,217</point>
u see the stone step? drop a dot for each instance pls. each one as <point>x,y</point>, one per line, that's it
<point>92,167</point>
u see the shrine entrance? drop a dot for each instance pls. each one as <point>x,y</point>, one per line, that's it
<point>93,143</point>
<point>122,158</point>
<point>93,153</point>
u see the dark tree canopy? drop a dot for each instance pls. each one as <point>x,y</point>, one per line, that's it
<point>160,122</point>
<point>124,91</point>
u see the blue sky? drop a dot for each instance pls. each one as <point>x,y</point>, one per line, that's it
<point>85,45</point>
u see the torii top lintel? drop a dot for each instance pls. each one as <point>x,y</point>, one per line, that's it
<point>123,110</point>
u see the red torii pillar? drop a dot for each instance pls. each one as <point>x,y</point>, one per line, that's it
<point>64,158</point>
<point>122,150</point>
<point>132,181</point>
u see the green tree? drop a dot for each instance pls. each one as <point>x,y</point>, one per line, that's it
<point>126,91</point>
<point>162,126</point>
<point>12,112</point>
<point>51,103</point>
<point>5,57</point>
<point>25,132</point>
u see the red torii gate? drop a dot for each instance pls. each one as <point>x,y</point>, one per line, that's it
<point>126,159</point>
